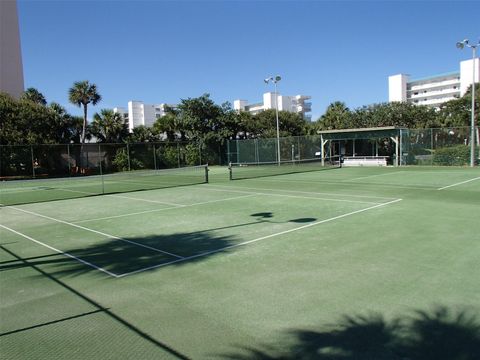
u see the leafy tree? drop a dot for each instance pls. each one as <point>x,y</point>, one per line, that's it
<point>35,96</point>
<point>109,126</point>
<point>83,93</point>
<point>246,125</point>
<point>399,114</point>
<point>265,124</point>
<point>142,134</point>
<point>169,124</point>
<point>25,122</point>
<point>67,128</point>
<point>199,117</point>
<point>457,113</point>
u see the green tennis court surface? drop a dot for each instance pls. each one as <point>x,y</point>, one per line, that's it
<point>258,268</point>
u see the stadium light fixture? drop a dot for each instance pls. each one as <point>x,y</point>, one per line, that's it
<point>275,80</point>
<point>461,45</point>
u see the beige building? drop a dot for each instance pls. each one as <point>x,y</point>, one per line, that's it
<point>11,67</point>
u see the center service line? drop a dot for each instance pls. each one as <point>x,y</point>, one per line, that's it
<point>260,238</point>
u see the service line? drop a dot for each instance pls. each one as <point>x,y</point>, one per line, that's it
<point>259,239</point>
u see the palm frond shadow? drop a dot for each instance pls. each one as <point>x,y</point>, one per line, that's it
<point>439,334</point>
<point>125,256</point>
<point>130,255</point>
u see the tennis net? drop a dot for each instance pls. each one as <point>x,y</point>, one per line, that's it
<point>261,169</point>
<point>15,192</point>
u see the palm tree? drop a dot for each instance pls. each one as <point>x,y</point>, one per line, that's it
<point>33,95</point>
<point>109,126</point>
<point>83,93</point>
<point>337,116</point>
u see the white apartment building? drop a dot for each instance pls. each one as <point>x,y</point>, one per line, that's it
<point>140,114</point>
<point>434,90</point>
<point>296,104</point>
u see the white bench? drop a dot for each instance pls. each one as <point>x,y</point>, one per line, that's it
<point>365,161</point>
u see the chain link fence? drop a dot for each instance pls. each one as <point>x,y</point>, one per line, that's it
<point>67,160</point>
<point>265,150</point>
<point>438,146</point>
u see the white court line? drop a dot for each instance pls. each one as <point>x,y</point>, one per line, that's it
<point>312,197</point>
<point>419,187</point>
<point>163,209</point>
<point>60,252</point>
<point>96,232</point>
<point>259,239</point>
<point>459,183</point>
<point>370,176</point>
<point>145,200</point>
<point>308,197</point>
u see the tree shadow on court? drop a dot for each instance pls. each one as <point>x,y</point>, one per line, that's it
<point>439,334</point>
<point>132,255</point>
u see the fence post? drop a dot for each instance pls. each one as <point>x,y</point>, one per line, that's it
<point>100,167</point>
<point>69,162</point>
<point>178,154</point>
<point>154,157</point>
<point>228,151</point>
<point>33,161</point>
<point>200,152</point>
<point>128,156</point>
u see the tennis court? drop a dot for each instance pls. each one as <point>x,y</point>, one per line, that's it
<point>218,269</point>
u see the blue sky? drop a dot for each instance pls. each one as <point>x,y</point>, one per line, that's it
<point>163,51</point>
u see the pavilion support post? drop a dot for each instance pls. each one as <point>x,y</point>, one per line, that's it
<point>322,153</point>
<point>397,148</point>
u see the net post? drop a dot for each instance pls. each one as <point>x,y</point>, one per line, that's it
<point>230,171</point>
<point>206,173</point>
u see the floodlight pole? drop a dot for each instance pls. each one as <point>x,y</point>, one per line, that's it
<point>461,45</point>
<point>275,80</point>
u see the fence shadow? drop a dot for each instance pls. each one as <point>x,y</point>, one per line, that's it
<point>438,334</point>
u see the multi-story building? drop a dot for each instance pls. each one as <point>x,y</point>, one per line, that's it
<point>11,69</point>
<point>296,104</point>
<point>434,90</point>
<point>140,114</point>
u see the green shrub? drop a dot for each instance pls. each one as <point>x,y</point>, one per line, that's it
<point>192,154</point>
<point>457,155</point>
<point>121,161</point>
<point>168,156</point>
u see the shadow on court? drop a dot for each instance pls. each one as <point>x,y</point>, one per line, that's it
<point>130,255</point>
<point>439,334</point>
<point>165,348</point>
<point>133,255</point>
